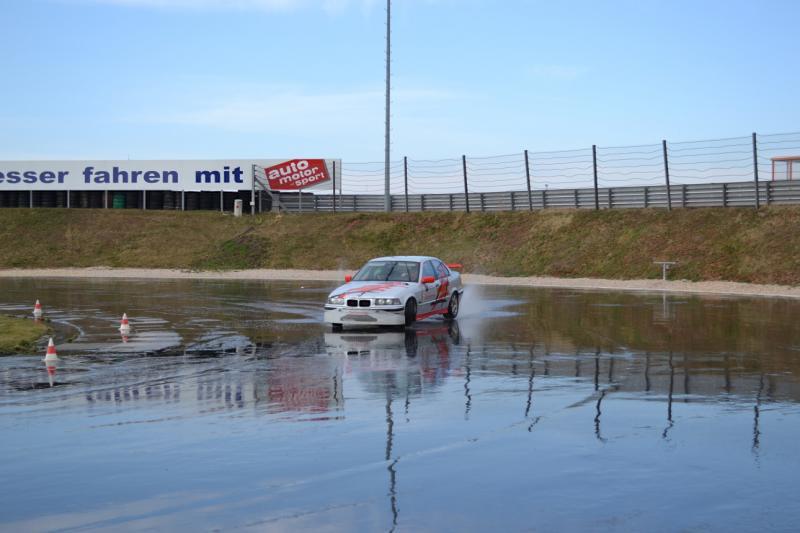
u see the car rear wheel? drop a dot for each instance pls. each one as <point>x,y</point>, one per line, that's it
<point>411,311</point>
<point>452,308</point>
<point>336,327</point>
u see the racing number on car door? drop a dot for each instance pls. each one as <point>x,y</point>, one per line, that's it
<point>429,290</point>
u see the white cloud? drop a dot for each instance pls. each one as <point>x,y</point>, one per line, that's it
<point>294,112</point>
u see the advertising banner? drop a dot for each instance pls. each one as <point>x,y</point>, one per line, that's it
<point>296,174</point>
<point>156,175</point>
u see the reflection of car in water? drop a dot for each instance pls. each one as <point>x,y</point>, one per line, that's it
<point>423,339</point>
<point>395,291</point>
<point>406,360</point>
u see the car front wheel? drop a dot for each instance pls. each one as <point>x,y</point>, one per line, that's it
<point>452,308</point>
<point>411,311</point>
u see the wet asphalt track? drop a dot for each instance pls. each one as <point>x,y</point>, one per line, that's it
<point>231,407</point>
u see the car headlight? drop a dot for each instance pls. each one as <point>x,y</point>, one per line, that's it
<point>387,301</point>
<point>335,300</point>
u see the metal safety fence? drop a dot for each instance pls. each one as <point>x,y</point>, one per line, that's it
<point>724,172</point>
<point>733,194</point>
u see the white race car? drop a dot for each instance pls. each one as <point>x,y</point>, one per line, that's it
<point>395,291</point>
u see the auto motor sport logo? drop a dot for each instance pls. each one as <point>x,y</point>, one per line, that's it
<point>296,174</point>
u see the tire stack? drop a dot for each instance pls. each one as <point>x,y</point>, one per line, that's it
<point>3,201</point>
<point>228,199</point>
<point>155,200</point>
<point>192,201</point>
<point>118,200</point>
<point>83,199</point>
<point>47,199</point>
<point>61,198</point>
<point>96,199</point>
<point>131,199</point>
<point>23,199</point>
<point>168,201</point>
<point>205,201</point>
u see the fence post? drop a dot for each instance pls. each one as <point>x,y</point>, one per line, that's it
<point>253,192</point>
<point>666,174</point>
<point>334,186</point>
<point>594,168</point>
<point>528,179</point>
<point>466,188</point>
<point>405,179</point>
<point>755,167</point>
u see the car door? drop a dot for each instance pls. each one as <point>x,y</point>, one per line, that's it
<point>443,292</point>
<point>429,290</point>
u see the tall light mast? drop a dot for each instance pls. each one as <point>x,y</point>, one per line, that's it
<point>387,196</point>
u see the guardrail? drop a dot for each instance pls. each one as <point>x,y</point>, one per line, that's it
<point>733,194</point>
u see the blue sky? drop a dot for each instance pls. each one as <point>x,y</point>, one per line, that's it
<point>146,79</point>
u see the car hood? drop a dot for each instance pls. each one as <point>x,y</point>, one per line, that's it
<point>372,289</point>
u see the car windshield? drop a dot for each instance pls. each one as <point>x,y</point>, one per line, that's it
<point>388,271</point>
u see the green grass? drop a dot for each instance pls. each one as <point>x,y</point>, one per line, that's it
<point>710,244</point>
<point>19,335</point>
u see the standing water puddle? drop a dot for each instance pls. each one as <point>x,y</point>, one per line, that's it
<point>230,406</point>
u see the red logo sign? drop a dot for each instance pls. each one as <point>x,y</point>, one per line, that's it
<point>296,174</point>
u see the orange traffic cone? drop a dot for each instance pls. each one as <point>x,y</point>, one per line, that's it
<point>125,327</point>
<point>51,361</point>
<point>37,310</point>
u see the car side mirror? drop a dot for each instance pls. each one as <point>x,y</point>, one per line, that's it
<point>348,278</point>
<point>428,279</point>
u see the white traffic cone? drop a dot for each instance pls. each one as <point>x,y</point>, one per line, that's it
<point>37,310</point>
<point>125,327</point>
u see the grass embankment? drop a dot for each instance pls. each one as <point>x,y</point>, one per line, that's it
<point>19,335</point>
<point>710,244</point>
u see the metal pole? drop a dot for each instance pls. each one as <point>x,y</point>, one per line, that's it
<point>466,188</point>
<point>253,193</point>
<point>221,201</point>
<point>528,179</point>
<point>300,200</point>
<point>594,167</point>
<point>68,195</point>
<point>144,200</point>
<point>755,168</point>
<point>405,179</point>
<point>183,200</point>
<point>334,186</point>
<point>30,199</point>
<point>666,174</point>
<point>387,200</point>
